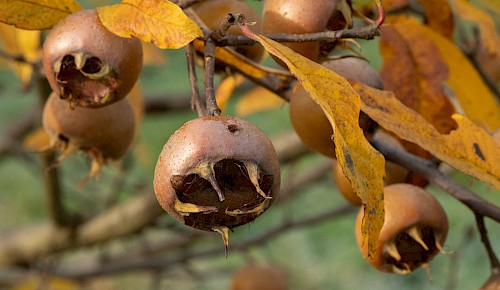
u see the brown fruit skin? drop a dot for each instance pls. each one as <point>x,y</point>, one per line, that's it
<point>259,277</point>
<point>213,13</point>
<point>83,32</point>
<point>394,173</point>
<point>406,206</point>
<point>297,17</point>
<point>107,131</point>
<point>220,140</point>
<point>309,120</point>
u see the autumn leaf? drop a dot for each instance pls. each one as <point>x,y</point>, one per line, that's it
<point>38,140</point>
<point>24,44</point>
<point>241,63</point>
<point>361,163</point>
<point>159,22</point>
<point>486,24</point>
<point>36,14</point>
<point>256,100</point>
<point>414,70</point>
<point>469,148</point>
<point>439,16</point>
<point>467,85</point>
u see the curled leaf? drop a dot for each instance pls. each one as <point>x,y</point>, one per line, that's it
<point>159,22</point>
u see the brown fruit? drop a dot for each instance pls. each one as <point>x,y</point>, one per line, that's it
<point>88,65</point>
<point>213,13</point>
<point>259,277</point>
<point>414,230</point>
<point>309,120</point>
<point>216,173</point>
<point>493,283</point>
<point>103,133</point>
<point>394,173</point>
<point>297,17</point>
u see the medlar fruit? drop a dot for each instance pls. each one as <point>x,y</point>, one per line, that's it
<point>414,230</point>
<point>216,173</point>
<point>103,133</point>
<point>309,120</point>
<point>213,13</point>
<point>259,277</point>
<point>297,17</point>
<point>493,283</point>
<point>88,65</point>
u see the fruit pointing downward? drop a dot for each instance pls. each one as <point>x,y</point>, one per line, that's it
<point>216,173</point>
<point>88,65</point>
<point>414,230</point>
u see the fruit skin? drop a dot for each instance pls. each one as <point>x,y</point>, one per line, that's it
<point>297,17</point>
<point>407,208</point>
<point>394,173</point>
<point>493,283</point>
<point>259,277</point>
<point>309,120</point>
<point>221,147</point>
<point>213,13</point>
<point>104,133</point>
<point>110,64</point>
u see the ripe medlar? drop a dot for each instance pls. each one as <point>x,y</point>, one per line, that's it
<point>414,230</point>
<point>309,120</point>
<point>216,173</point>
<point>493,282</point>
<point>103,133</point>
<point>259,277</point>
<point>297,17</point>
<point>213,13</point>
<point>88,65</point>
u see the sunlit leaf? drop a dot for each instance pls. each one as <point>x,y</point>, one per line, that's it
<point>159,22</point>
<point>493,5</point>
<point>489,34</point>
<point>241,63</point>
<point>414,70</point>
<point>36,282</point>
<point>24,44</point>
<point>361,163</point>
<point>37,140</point>
<point>468,87</point>
<point>256,100</point>
<point>36,14</point>
<point>226,88</point>
<point>469,148</point>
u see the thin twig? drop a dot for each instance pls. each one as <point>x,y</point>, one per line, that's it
<point>481,226</point>
<point>196,102</point>
<point>211,102</point>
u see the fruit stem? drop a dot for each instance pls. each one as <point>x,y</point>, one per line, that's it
<point>211,102</point>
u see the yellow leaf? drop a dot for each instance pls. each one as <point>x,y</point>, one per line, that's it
<point>256,100</point>
<point>361,163</point>
<point>159,22</point>
<point>241,63</point>
<point>21,43</point>
<point>439,17</point>
<point>469,148</point>
<point>226,88</point>
<point>36,14</point>
<point>37,282</point>
<point>473,94</point>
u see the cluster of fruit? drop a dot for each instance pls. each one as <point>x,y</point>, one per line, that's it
<point>219,172</point>
<point>91,71</point>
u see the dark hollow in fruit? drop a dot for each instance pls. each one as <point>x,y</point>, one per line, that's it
<point>414,230</point>
<point>216,173</point>
<point>88,65</point>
